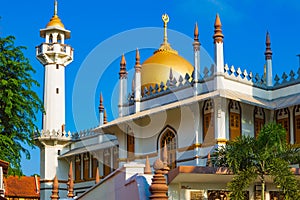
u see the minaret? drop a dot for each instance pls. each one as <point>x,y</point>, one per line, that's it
<point>268,57</point>
<point>196,45</point>
<point>137,81</point>
<point>55,55</point>
<point>218,41</point>
<point>101,111</point>
<point>123,87</point>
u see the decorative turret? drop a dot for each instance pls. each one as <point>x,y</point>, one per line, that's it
<point>54,55</point>
<point>218,41</point>
<point>123,87</point>
<point>268,57</point>
<point>197,68</point>
<point>137,82</point>
<point>101,111</point>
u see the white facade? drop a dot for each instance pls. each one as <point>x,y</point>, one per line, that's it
<point>192,117</point>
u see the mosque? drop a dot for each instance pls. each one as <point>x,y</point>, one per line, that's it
<point>170,122</point>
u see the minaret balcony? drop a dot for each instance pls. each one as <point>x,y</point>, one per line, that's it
<point>52,50</point>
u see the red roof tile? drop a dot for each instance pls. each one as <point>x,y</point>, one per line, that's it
<point>24,186</point>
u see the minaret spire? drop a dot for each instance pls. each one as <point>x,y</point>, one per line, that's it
<point>218,36</point>
<point>123,87</point>
<point>137,82</point>
<point>268,58</point>
<point>268,52</point>
<point>218,41</point>
<point>55,7</point>
<point>196,74</point>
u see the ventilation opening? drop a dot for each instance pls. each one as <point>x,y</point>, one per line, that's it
<point>57,90</point>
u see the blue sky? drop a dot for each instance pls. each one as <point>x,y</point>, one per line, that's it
<point>91,22</point>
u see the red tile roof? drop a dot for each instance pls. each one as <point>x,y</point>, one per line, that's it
<point>24,186</point>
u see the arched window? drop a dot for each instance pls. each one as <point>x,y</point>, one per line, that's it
<point>168,137</point>
<point>130,146</point>
<point>86,166</point>
<point>234,119</point>
<point>259,120</point>
<point>106,162</point>
<point>51,38</point>
<point>297,124</point>
<point>77,167</point>
<point>208,121</point>
<point>59,38</point>
<point>283,118</point>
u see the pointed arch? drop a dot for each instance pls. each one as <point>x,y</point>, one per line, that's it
<point>283,118</point>
<point>169,136</point>
<point>235,125</point>
<point>259,120</point>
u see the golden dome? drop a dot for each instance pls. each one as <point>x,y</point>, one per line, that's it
<point>156,69</point>
<point>55,21</point>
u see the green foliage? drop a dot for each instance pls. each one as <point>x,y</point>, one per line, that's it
<point>19,104</point>
<point>251,159</point>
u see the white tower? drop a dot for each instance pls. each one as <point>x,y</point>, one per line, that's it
<point>55,56</point>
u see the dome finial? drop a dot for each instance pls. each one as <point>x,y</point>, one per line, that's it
<point>55,7</point>
<point>165,19</point>
<point>165,46</point>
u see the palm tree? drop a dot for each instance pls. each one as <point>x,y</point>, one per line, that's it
<point>267,155</point>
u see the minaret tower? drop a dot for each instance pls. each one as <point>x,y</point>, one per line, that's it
<point>55,55</point>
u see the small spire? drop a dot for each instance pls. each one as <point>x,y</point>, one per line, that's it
<point>196,33</point>
<point>218,36</point>
<point>54,195</point>
<point>70,182</point>
<point>138,65</point>
<point>55,7</point>
<point>171,74</point>
<point>104,117</point>
<point>268,52</point>
<point>123,72</point>
<point>147,169</point>
<point>101,107</point>
<point>97,180</point>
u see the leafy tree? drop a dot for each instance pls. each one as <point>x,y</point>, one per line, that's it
<point>19,104</point>
<point>251,159</point>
